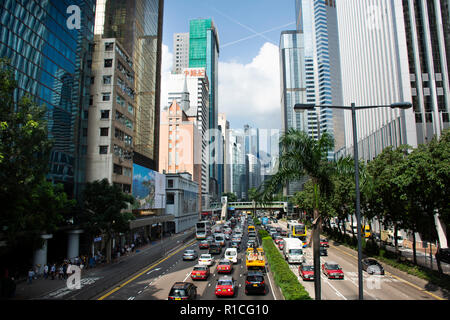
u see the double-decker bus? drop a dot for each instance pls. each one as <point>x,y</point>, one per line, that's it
<point>297,230</point>
<point>203,229</point>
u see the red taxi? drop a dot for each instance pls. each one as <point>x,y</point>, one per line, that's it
<point>332,270</point>
<point>306,271</point>
<point>200,272</point>
<point>226,287</point>
<point>225,266</point>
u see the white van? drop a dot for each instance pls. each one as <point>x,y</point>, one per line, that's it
<point>231,254</point>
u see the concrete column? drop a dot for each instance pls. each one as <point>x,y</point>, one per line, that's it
<point>73,243</point>
<point>40,255</point>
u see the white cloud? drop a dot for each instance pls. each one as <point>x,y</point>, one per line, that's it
<point>250,93</point>
<point>166,69</point>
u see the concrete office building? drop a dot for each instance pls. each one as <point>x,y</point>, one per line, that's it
<point>181,200</point>
<point>197,87</point>
<point>111,115</point>
<point>137,25</point>
<point>180,52</point>
<point>374,56</point>
<point>180,144</point>
<point>427,29</point>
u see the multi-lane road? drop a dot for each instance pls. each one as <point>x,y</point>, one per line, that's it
<point>155,282</point>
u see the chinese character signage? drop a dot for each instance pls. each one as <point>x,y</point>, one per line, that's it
<point>194,72</point>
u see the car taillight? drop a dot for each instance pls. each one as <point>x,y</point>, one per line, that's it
<point>247,282</point>
<point>262,282</point>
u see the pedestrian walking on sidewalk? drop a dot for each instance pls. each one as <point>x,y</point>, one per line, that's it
<point>53,271</point>
<point>30,275</point>
<point>61,272</point>
<point>45,271</point>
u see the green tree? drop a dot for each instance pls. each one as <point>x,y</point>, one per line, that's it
<point>30,204</point>
<point>302,156</point>
<point>423,179</point>
<point>230,195</point>
<point>389,200</point>
<point>104,211</point>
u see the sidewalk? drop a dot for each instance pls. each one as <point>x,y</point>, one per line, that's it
<point>103,275</point>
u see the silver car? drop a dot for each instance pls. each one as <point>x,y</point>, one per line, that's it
<point>190,255</point>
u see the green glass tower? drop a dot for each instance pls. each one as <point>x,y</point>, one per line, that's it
<point>204,53</point>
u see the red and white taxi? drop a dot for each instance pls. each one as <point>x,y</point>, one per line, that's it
<point>200,272</point>
<point>226,287</point>
<point>225,266</point>
<point>306,271</point>
<point>332,270</point>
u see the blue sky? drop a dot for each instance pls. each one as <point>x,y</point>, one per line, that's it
<point>238,23</point>
<point>249,33</point>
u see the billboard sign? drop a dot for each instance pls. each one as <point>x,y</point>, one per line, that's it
<point>149,188</point>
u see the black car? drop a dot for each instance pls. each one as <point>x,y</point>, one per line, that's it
<point>372,266</point>
<point>443,255</point>
<point>254,283</point>
<point>215,248</point>
<point>183,291</point>
<point>323,251</point>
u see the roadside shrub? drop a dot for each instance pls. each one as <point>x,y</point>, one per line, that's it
<point>283,275</point>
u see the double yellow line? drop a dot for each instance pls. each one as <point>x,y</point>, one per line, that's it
<point>398,278</point>
<point>145,271</point>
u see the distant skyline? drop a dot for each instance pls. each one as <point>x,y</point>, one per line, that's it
<point>249,33</point>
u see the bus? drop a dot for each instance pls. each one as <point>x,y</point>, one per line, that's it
<point>203,229</point>
<point>297,230</point>
<point>251,228</point>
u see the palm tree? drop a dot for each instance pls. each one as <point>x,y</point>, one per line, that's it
<point>303,156</point>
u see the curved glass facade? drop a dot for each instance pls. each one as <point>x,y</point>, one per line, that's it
<point>52,64</point>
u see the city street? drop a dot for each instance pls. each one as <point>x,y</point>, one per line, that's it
<point>394,285</point>
<point>157,280</point>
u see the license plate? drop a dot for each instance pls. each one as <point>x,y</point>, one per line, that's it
<point>177,298</point>
<point>255,285</point>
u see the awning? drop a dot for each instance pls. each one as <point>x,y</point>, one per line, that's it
<point>142,222</point>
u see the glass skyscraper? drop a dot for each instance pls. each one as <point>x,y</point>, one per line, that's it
<point>317,19</point>
<point>204,53</point>
<point>51,59</point>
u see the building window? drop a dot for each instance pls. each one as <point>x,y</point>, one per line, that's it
<point>170,183</point>
<point>109,46</point>
<point>107,79</point>
<point>117,169</point>
<point>170,198</point>
<point>108,63</point>
<point>104,114</point>
<point>85,132</point>
<point>106,96</point>
<point>127,172</point>
<point>91,100</point>
<point>104,132</point>
<point>103,149</point>
<point>92,80</point>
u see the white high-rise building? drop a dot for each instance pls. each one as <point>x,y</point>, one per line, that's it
<point>374,62</point>
<point>180,52</point>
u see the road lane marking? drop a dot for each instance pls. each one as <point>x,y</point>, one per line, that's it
<point>145,271</point>
<point>400,279</point>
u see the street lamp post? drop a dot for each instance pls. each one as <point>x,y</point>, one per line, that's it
<point>353,108</point>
